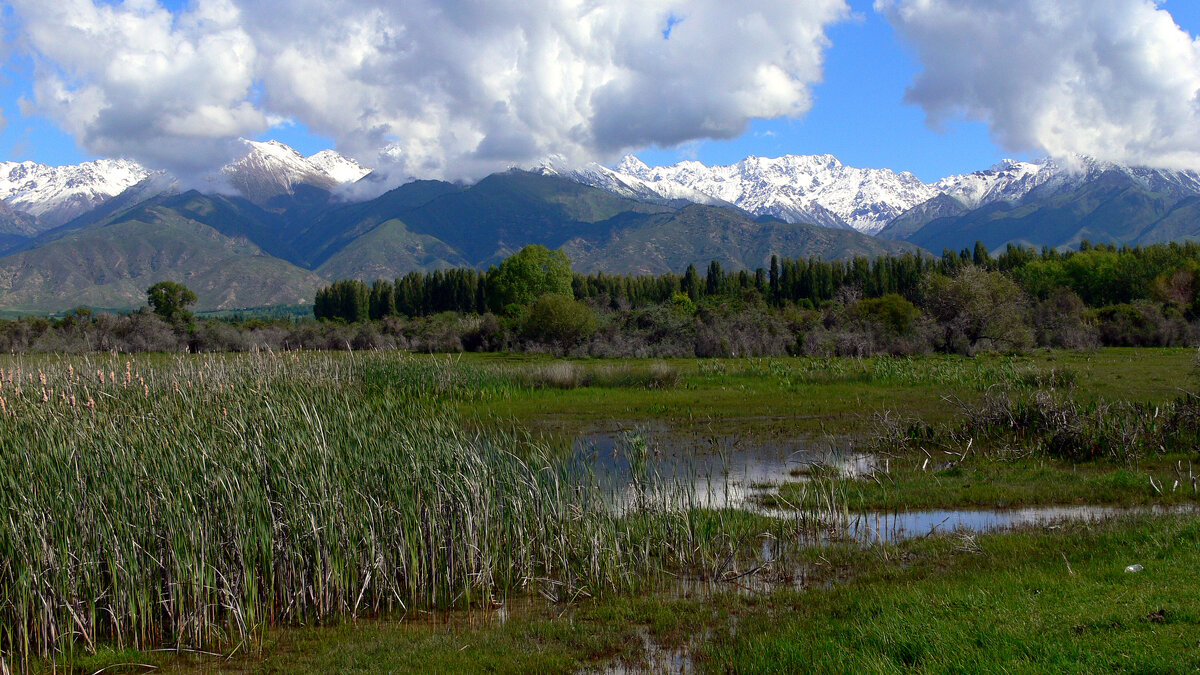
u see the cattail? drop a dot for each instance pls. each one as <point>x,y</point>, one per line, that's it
<point>91,403</point>
<point>45,396</point>
<point>145,390</point>
<point>3,406</point>
<point>100,374</point>
<point>42,377</point>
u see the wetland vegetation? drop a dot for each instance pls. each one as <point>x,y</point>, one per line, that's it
<point>318,512</point>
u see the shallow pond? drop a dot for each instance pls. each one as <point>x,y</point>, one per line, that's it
<point>734,472</point>
<point>706,471</point>
<point>899,526</point>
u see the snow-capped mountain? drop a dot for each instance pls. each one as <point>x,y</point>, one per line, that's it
<point>338,167</point>
<point>271,169</point>
<point>1011,180</point>
<point>55,194</point>
<point>1014,182</point>
<point>626,184</point>
<point>797,188</point>
<point>42,197</point>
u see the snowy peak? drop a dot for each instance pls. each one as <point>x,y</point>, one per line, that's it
<point>55,195</point>
<point>338,167</point>
<point>798,188</point>
<point>1011,180</point>
<point>270,169</point>
<point>629,185</point>
<point>48,196</point>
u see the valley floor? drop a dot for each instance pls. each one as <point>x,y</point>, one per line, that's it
<point>849,443</point>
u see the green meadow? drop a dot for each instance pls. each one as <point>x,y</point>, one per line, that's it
<point>382,511</point>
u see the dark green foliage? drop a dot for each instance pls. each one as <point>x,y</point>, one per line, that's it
<point>892,311</point>
<point>527,275</point>
<point>559,320</point>
<point>171,301</point>
<point>347,300</point>
<point>383,300</point>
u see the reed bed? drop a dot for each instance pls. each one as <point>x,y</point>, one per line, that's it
<point>192,501</point>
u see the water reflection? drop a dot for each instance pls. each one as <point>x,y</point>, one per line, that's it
<point>900,526</point>
<point>715,471</point>
<point>709,471</point>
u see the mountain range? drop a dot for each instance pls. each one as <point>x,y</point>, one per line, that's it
<point>273,226</point>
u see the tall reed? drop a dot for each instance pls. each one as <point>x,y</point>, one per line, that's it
<point>193,501</point>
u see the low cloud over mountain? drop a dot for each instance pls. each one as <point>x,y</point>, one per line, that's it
<point>443,89</point>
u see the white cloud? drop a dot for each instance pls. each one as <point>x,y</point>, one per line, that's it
<point>172,91</point>
<point>3,120</point>
<point>450,88</point>
<point>1116,79</point>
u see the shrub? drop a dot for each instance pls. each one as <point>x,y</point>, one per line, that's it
<point>1062,320</point>
<point>892,311</point>
<point>979,310</point>
<point>559,321</point>
<point>1141,324</point>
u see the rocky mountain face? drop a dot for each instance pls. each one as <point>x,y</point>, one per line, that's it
<point>815,189</point>
<point>41,197</point>
<point>53,195</point>
<point>272,169</point>
<point>820,189</point>
<point>1050,202</point>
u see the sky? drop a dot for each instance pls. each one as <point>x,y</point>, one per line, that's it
<point>459,88</point>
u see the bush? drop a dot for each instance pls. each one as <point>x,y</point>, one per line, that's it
<point>979,310</point>
<point>559,321</point>
<point>1142,324</point>
<point>892,311</point>
<point>1062,320</point>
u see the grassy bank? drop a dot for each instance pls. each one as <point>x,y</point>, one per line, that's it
<point>1034,601</point>
<point>800,396</point>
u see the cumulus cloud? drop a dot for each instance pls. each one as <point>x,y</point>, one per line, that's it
<point>1116,79</point>
<point>136,80</point>
<point>441,88</point>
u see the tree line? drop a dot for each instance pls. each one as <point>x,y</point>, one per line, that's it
<point>1100,275</point>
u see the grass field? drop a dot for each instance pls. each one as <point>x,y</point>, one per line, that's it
<point>372,511</point>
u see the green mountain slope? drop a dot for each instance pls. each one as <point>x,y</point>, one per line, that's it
<point>1182,223</point>
<point>112,265</point>
<point>389,251</point>
<point>235,253</point>
<point>320,237</point>
<point>668,242</point>
<point>506,211</point>
<point>1112,208</point>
